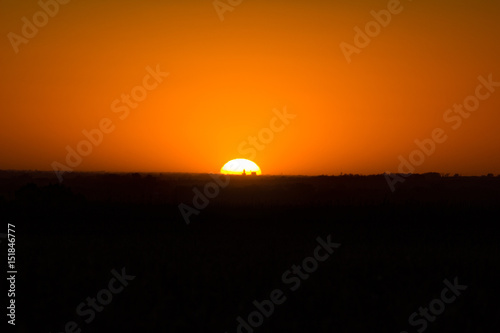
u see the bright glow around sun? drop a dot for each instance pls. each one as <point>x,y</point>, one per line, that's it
<point>239,166</point>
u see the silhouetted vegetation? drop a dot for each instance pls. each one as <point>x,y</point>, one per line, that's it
<point>397,248</point>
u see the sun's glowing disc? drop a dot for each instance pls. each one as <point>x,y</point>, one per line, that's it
<point>240,166</point>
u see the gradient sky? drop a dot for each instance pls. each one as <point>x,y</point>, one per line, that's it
<point>226,78</point>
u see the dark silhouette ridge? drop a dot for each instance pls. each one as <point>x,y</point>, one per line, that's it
<point>397,248</point>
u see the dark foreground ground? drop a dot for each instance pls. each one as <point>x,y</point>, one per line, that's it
<point>396,250</point>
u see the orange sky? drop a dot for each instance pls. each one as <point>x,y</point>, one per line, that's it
<point>226,78</point>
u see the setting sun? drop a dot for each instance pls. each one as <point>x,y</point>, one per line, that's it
<point>240,166</point>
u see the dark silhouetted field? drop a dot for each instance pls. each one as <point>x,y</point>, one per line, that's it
<point>396,251</point>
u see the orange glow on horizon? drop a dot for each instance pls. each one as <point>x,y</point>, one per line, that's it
<point>169,87</point>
